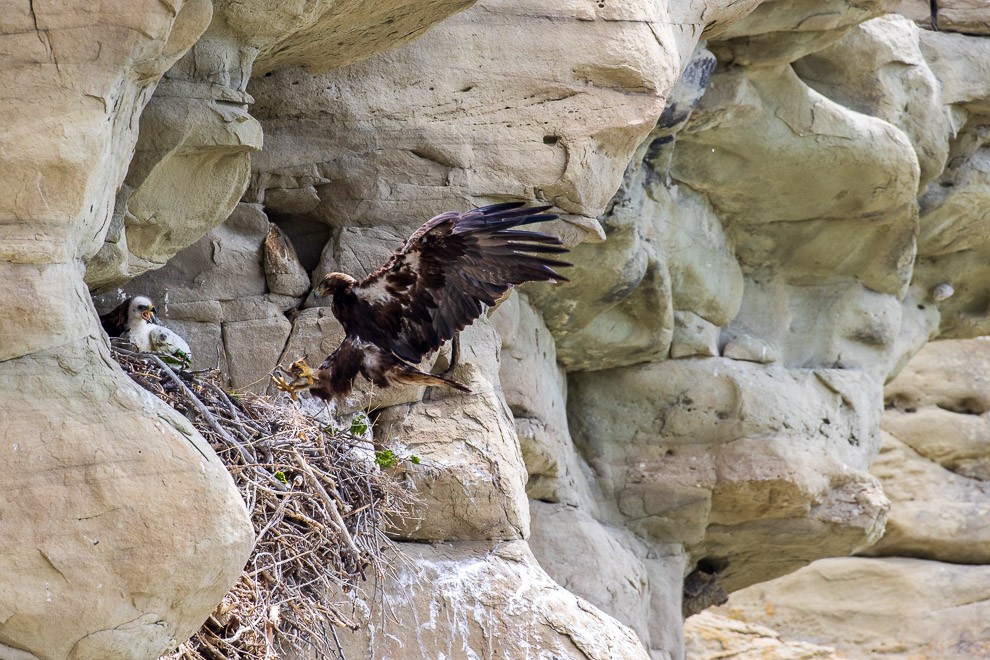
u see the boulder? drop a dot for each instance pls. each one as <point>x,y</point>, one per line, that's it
<point>449,598</point>
<point>120,529</point>
<point>896,607</point>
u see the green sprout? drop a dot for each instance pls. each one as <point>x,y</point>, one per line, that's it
<point>359,425</point>
<point>386,458</point>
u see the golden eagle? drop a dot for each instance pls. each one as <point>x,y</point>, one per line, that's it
<point>431,288</point>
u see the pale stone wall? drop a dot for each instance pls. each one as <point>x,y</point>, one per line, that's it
<point>120,529</point>
<point>105,490</point>
<point>924,589</point>
<point>773,205</point>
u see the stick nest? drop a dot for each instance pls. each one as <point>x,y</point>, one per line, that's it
<point>319,503</point>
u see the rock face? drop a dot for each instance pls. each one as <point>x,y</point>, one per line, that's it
<point>197,134</point>
<point>123,529</point>
<point>119,527</point>
<point>922,590</point>
<point>772,206</point>
<point>710,635</point>
<point>450,599</point>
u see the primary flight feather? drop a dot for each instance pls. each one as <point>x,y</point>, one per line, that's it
<point>431,288</point>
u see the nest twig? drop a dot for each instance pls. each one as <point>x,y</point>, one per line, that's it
<point>319,504</point>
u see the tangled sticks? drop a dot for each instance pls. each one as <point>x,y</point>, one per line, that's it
<point>319,504</point>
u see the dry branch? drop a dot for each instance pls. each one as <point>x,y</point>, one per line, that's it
<point>295,476</point>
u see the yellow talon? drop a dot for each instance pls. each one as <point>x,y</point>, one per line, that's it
<point>285,386</point>
<point>302,371</point>
<point>302,376</point>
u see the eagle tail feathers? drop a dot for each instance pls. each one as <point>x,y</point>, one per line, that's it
<point>407,375</point>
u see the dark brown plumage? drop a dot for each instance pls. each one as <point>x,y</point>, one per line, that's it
<point>433,287</point>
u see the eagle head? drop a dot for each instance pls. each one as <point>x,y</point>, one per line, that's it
<point>334,283</point>
<point>142,308</point>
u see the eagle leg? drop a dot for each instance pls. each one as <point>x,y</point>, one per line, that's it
<point>302,376</point>
<point>455,351</point>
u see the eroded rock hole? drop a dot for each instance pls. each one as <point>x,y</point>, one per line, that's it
<point>308,237</point>
<point>701,587</point>
<point>900,404</point>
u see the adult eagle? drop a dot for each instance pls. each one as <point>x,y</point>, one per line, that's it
<point>435,285</point>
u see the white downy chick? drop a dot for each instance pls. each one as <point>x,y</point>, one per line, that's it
<point>145,331</point>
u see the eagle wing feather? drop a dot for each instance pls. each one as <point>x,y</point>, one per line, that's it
<point>453,266</point>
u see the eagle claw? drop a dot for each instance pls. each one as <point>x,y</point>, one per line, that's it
<point>285,386</point>
<point>302,376</point>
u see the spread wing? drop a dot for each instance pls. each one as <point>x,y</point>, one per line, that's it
<point>448,270</point>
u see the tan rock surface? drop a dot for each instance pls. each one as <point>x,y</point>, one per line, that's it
<point>119,527</point>
<point>748,231</point>
<point>935,513</point>
<point>705,452</point>
<point>565,115</point>
<point>877,68</point>
<point>614,570</point>
<point>197,133</point>
<point>952,243</point>
<point>330,34</point>
<point>470,484</point>
<point>216,293</point>
<point>788,214</point>
<point>709,636</point>
<point>893,607</point>
<point>460,599</point>
<point>124,529</point>
<point>284,273</point>
<point>535,385</point>
<point>922,591</point>
<point>778,33</point>
<point>965,16</point>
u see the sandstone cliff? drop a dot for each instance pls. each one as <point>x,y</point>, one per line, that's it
<point>923,590</point>
<point>772,206</point>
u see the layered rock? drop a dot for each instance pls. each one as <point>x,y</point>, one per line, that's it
<point>922,590</point>
<point>710,635</point>
<point>963,16</point>
<point>119,527</point>
<point>129,529</point>
<point>789,210</point>
<point>455,599</point>
<point>191,163</point>
<point>907,601</point>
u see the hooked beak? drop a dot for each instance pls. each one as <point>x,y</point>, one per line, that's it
<point>149,315</point>
<point>321,290</point>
